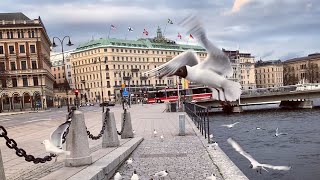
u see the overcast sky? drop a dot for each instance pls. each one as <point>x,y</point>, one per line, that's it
<point>269,29</point>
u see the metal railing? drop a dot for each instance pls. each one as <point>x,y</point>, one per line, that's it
<point>200,116</point>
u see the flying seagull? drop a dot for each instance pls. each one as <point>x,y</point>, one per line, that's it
<point>230,125</point>
<point>255,164</point>
<point>210,72</point>
<point>278,134</point>
<point>51,148</point>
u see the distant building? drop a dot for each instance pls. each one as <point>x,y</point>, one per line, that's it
<point>302,69</point>
<point>269,73</point>
<point>243,66</point>
<point>25,67</point>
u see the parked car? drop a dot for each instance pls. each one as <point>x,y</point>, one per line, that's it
<point>107,103</point>
<point>89,104</point>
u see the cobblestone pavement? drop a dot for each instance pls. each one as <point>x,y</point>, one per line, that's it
<point>184,157</point>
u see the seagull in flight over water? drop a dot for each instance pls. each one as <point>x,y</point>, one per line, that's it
<point>255,164</point>
<point>211,72</point>
<point>278,134</point>
<point>230,125</point>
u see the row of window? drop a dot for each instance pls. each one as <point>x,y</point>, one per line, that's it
<point>268,70</point>
<point>23,65</point>
<point>16,34</point>
<point>268,75</point>
<point>22,49</point>
<point>14,82</point>
<point>279,80</point>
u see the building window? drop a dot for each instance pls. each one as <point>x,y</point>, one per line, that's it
<point>35,81</point>
<point>25,81</point>
<point>23,65</point>
<point>0,35</point>
<point>13,65</point>
<point>2,66</point>
<point>34,64</point>
<point>14,82</point>
<point>32,49</point>
<point>1,49</point>
<point>108,84</point>
<point>22,49</point>
<point>20,34</point>
<point>11,49</point>
<point>10,35</point>
<point>4,83</point>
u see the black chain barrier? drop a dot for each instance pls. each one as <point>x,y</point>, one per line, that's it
<point>124,120</point>
<point>12,144</point>
<point>103,127</point>
<point>69,118</point>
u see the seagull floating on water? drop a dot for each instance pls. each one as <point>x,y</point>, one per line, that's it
<point>230,125</point>
<point>255,164</point>
<point>213,145</point>
<point>134,175</point>
<point>278,134</point>
<point>161,174</point>
<point>212,177</point>
<point>161,138</point>
<point>118,176</point>
<point>259,128</point>
<point>210,72</point>
<point>51,148</point>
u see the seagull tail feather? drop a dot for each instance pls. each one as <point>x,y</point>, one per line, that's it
<point>232,90</point>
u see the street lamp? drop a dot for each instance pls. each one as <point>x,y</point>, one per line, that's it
<point>65,76</point>
<point>101,97</point>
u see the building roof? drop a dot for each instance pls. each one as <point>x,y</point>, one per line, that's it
<point>13,16</point>
<point>267,63</point>
<point>305,58</point>
<point>140,43</point>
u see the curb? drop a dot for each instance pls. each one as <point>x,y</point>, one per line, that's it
<point>227,169</point>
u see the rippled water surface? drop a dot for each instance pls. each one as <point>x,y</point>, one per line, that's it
<point>300,149</point>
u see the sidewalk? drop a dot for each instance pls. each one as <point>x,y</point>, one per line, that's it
<point>21,112</point>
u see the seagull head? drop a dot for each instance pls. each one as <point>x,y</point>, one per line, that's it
<point>181,72</point>
<point>166,171</point>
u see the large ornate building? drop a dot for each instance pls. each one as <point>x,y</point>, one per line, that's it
<point>269,73</point>
<point>26,80</point>
<point>102,66</point>
<point>303,69</point>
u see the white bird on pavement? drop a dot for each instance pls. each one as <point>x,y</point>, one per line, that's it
<point>255,164</point>
<point>213,145</point>
<point>129,161</point>
<point>211,72</point>
<point>118,176</point>
<point>161,174</point>
<point>212,177</point>
<point>51,148</point>
<point>155,133</point>
<point>211,137</point>
<point>134,175</point>
<point>133,131</point>
<point>278,134</point>
<point>230,125</point>
<point>161,138</point>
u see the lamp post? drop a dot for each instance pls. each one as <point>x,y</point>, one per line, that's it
<point>101,97</point>
<point>63,62</point>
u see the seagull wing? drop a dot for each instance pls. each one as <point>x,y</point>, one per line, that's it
<point>225,125</point>
<point>235,123</point>
<point>56,135</point>
<point>159,174</point>
<point>186,58</point>
<point>281,168</point>
<point>217,60</point>
<point>238,148</point>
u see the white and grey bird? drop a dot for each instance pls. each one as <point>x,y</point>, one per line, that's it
<point>259,128</point>
<point>211,72</point>
<point>255,164</point>
<point>155,133</point>
<point>161,138</point>
<point>211,137</point>
<point>56,137</point>
<point>134,175</point>
<point>117,176</point>
<point>161,174</point>
<point>51,148</point>
<point>133,131</point>
<point>230,125</point>
<point>212,177</point>
<point>278,134</point>
<point>129,161</point>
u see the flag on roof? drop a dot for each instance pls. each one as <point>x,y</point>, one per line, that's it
<point>145,32</point>
<point>191,36</point>
<point>170,21</point>
<point>113,27</point>
<point>130,29</point>
<point>179,36</point>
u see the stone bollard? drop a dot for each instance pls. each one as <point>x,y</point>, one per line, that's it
<point>110,135</point>
<point>127,131</point>
<point>2,176</point>
<point>182,125</point>
<point>77,142</point>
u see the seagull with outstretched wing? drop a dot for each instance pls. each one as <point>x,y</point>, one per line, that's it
<point>211,72</point>
<point>255,164</point>
<point>56,137</point>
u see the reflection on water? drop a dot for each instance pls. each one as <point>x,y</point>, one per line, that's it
<point>300,149</point>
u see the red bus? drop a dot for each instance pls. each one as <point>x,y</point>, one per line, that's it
<point>166,95</point>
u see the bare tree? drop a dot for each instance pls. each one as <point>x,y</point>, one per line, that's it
<point>312,73</point>
<point>289,77</point>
